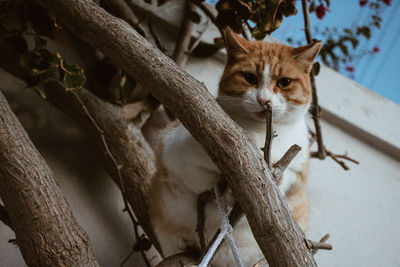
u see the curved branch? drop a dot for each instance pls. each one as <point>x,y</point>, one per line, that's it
<point>46,231</point>
<point>274,228</point>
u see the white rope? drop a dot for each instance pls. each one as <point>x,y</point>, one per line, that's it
<point>225,232</point>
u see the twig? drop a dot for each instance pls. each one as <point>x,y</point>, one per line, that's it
<point>198,39</point>
<point>127,258</point>
<point>117,168</point>
<point>201,203</point>
<point>336,157</point>
<point>156,39</point>
<point>269,135</point>
<point>185,33</point>
<point>315,246</point>
<point>234,217</point>
<point>329,153</point>
<point>209,14</point>
<point>281,165</point>
<point>315,109</point>
<point>4,217</point>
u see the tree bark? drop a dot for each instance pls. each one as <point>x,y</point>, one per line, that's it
<point>46,231</point>
<point>126,142</point>
<point>279,237</point>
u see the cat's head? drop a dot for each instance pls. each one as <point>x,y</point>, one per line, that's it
<point>259,72</point>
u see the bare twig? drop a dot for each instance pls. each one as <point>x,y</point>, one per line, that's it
<point>269,134</point>
<point>209,14</point>
<point>336,157</point>
<point>198,39</point>
<point>127,208</point>
<point>234,217</point>
<point>156,39</point>
<point>201,203</point>
<point>315,109</point>
<point>4,217</point>
<point>315,246</point>
<point>281,165</point>
<point>180,55</point>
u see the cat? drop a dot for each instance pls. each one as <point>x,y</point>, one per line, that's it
<point>256,73</point>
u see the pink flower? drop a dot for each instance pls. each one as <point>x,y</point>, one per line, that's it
<point>320,11</point>
<point>387,2</point>
<point>363,2</point>
<point>350,69</point>
<point>376,49</point>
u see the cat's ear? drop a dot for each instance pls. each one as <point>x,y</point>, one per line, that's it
<point>306,54</point>
<point>234,43</point>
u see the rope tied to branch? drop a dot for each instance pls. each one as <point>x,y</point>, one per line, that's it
<point>225,232</point>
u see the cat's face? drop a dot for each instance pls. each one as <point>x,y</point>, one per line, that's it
<point>259,72</point>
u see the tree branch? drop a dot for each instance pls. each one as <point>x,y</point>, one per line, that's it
<point>281,165</point>
<point>46,231</point>
<point>269,135</point>
<point>180,55</point>
<point>203,7</point>
<point>315,246</point>
<point>274,228</point>
<point>315,109</point>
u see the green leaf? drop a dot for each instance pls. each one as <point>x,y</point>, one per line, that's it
<point>74,77</point>
<point>343,48</point>
<point>364,30</point>
<point>348,31</point>
<point>73,81</point>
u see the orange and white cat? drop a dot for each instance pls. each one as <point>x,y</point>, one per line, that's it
<point>256,73</point>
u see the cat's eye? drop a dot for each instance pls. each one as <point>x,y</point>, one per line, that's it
<point>283,82</point>
<point>250,78</point>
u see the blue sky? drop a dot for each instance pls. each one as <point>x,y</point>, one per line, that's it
<point>380,71</point>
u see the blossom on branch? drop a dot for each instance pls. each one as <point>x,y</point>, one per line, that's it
<point>321,10</point>
<point>363,2</point>
<point>376,49</point>
<point>350,69</point>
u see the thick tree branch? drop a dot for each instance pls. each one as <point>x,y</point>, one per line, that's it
<point>274,228</point>
<point>46,231</point>
<point>105,123</point>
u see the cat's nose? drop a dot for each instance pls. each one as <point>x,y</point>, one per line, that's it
<point>262,100</point>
